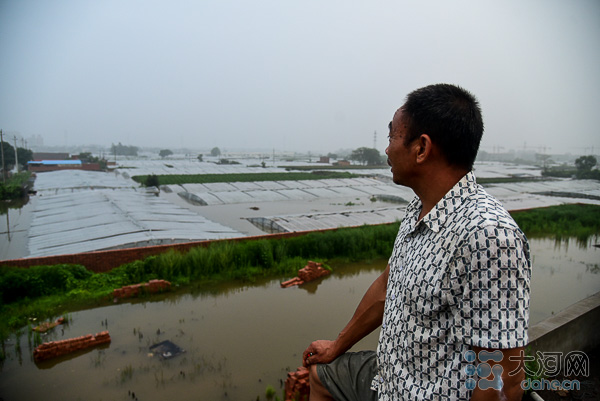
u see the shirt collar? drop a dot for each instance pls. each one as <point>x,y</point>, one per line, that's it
<point>437,216</point>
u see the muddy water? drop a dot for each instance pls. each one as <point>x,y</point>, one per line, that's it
<point>240,338</point>
<point>564,272</point>
<point>15,218</point>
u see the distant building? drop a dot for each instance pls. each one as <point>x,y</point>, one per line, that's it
<point>50,156</point>
<point>342,163</point>
<point>324,159</point>
<point>40,166</point>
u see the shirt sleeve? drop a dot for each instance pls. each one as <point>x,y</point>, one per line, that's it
<point>493,311</point>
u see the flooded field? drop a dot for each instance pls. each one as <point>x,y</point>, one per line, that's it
<point>15,217</point>
<point>238,339</point>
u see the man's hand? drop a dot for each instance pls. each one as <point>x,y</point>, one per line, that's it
<point>321,351</point>
<point>366,318</point>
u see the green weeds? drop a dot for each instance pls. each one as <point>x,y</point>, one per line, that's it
<point>15,187</point>
<point>564,221</point>
<point>177,179</point>
<point>48,291</point>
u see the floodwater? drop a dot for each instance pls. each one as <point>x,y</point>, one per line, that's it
<point>564,272</point>
<point>15,219</point>
<point>238,339</point>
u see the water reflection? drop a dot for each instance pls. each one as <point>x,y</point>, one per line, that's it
<point>13,228</point>
<point>238,339</point>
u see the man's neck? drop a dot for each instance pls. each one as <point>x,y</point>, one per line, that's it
<point>435,185</point>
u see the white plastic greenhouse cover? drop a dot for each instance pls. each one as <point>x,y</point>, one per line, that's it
<point>346,189</point>
<point>321,221</point>
<point>70,217</point>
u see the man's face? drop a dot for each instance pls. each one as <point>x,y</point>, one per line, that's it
<point>397,152</point>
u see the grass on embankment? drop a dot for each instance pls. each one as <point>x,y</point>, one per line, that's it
<point>48,291</point>
<point>577,220</point>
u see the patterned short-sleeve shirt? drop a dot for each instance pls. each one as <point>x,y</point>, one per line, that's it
<point>458,278</point>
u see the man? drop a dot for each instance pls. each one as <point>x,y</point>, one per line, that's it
<point>457,284</point>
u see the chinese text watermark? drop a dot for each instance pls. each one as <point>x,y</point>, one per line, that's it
<point>484,371</point>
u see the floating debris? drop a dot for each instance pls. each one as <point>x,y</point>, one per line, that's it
<point>166,350</point>
<point>44,327</point>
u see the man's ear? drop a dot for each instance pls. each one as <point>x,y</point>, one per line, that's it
<point>424,148</point>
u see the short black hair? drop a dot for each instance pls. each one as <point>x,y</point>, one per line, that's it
<point>451,116</point>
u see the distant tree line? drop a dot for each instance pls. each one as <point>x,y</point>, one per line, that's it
<point>87,157</point>
<point>367,156</point>
<point>165,152</point>
<point>583,169</point>
<point>24,156</point>
<point>123,150</point>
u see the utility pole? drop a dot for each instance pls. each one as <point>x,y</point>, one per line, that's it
<point>375,140</point>
<point>2,151</point>
<point>16,155</point>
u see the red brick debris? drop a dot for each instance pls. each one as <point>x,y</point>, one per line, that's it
<point>297,386</point>
<point>134,290</point>
<point>63,347</point>
<point>44,327</point>
<point>310,272</point>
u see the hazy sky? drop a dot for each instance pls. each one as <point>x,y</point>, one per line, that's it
<point>316,75</point>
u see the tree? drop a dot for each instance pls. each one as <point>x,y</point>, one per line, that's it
<point>152,181</point>
<point>584,165</point>
<point>368,156</point>
<point>165,152</point>
<point>85,157</point>
<point>9,155</point>
<point>200,159</point>
<point>24,155</point>
<point>123,150</point>
<point>215,152</point>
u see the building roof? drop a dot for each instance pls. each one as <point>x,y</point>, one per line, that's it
<point>56,162</point>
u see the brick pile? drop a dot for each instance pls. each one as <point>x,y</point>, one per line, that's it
<point>297,386</point>
<point>134,290</point>
<point>54,349</point>
<point>310,272</point>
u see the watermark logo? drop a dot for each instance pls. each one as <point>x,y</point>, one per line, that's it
<point>484,371</point>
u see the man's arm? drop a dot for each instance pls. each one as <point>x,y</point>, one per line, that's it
<point>511,384</point>
<point>367,317</point>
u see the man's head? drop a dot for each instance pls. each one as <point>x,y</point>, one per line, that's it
<point>450,116</point>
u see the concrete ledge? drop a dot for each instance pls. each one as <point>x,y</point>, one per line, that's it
<point>577,328</point>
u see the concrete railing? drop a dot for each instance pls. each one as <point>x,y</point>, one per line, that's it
<point>576,328</point>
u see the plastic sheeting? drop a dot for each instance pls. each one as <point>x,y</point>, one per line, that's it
<point>80,211</point>
<point>321,221</point>
<point>306,190</point>
<point>71,216</point>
